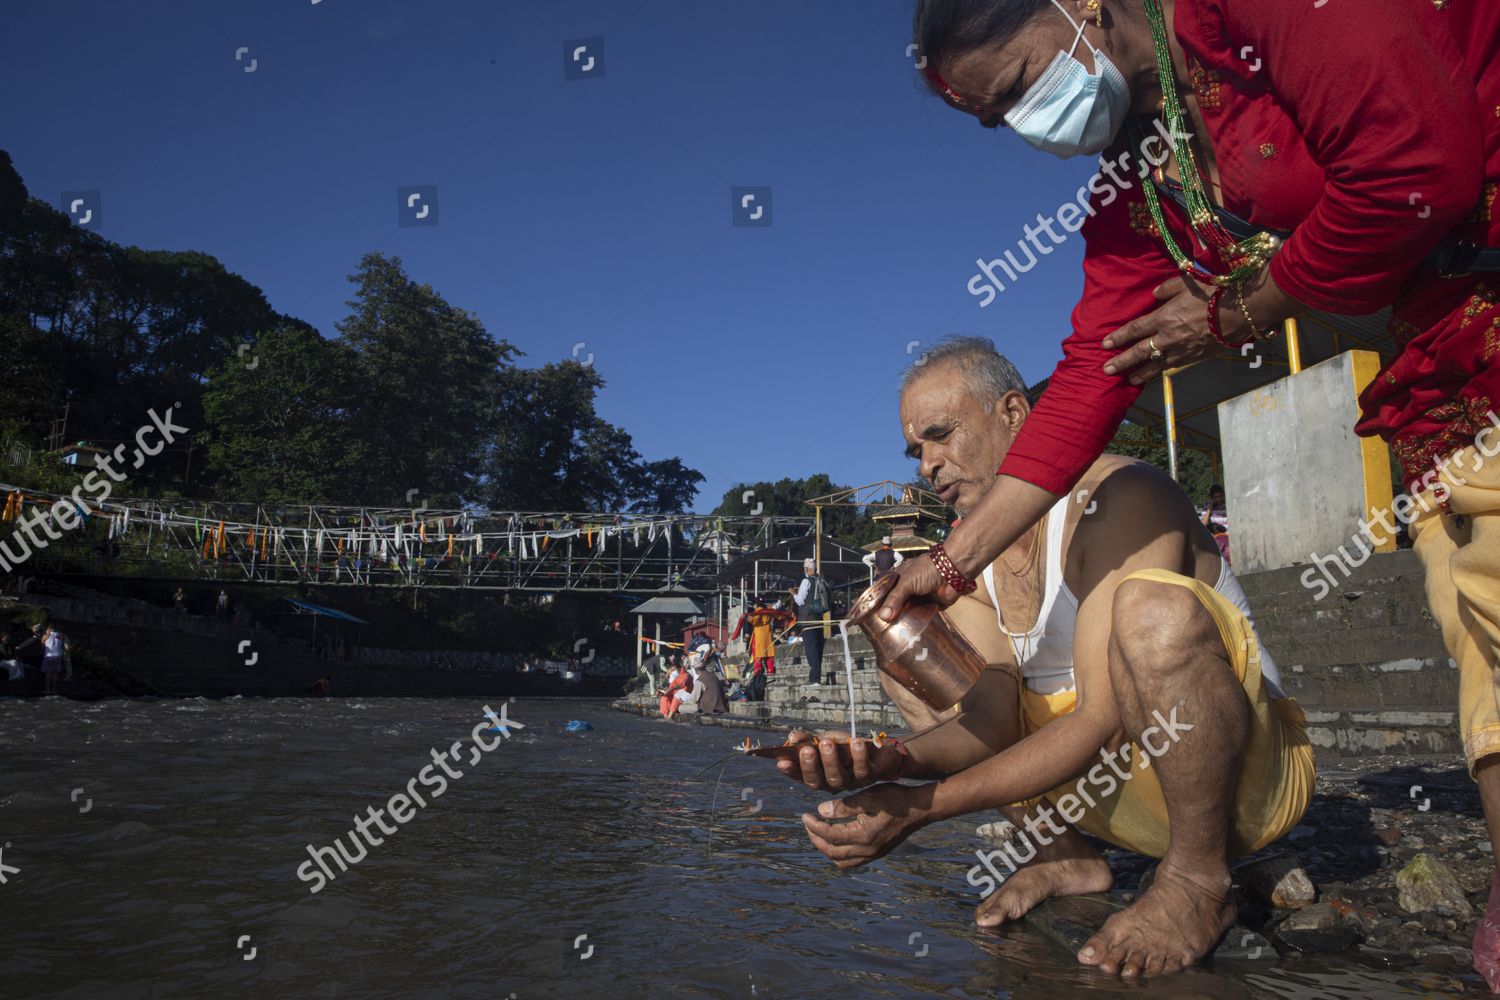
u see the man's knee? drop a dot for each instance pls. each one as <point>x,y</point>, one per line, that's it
<point>1156,625</point>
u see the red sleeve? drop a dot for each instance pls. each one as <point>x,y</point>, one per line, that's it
<point>1386,107</point>
<point>1082,407</point>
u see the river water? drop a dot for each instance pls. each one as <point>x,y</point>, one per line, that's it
<point>151,849</point>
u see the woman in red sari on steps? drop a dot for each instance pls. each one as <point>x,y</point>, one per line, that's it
<point>1367,133</point>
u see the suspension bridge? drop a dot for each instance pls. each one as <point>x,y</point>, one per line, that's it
<point>540,551</point>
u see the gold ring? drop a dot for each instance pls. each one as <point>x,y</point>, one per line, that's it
<point>1155,351</point>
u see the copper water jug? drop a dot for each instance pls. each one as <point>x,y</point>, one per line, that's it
<point>922,650</point>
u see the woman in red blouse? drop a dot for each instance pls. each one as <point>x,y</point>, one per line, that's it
<point>1367,130</point>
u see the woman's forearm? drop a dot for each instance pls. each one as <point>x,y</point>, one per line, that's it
<point>1005,512</point>
<point>1266,303</point>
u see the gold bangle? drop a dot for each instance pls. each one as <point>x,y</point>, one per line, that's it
<point>1239,298</point>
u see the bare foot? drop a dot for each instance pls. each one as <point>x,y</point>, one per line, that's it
<point>1178,921</point>
<point>1066,867</point>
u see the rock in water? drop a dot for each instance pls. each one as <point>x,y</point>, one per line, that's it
<point>1426,884</point>
<point>1243,943</point>
<point>1317,928</point>
<point>1002,830</point>
<point>1281,881</point>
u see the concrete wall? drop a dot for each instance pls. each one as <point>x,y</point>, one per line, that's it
<point>1297,480</point>
<point>192,655</point>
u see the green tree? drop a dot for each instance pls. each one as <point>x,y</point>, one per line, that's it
<point>12,195</point>
<point>428,380</point>
<point>550,450</point>
<point>32,377</point>
<point>664,487</point>
<point>121,328</point>
<point>414,394</point>
<point>1194,468</point>
<point>278,420</point>
<point>788,498</point>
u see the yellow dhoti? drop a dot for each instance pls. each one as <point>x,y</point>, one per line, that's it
<point>1460,554</point>
<point>1276,770</point>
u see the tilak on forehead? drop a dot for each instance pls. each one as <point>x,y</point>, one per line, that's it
<point>941,86</point>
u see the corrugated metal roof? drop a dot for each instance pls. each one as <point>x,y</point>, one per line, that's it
<point>668,606</point>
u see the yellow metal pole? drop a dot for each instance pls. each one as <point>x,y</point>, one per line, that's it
<point>818,558</point>
<point>1169,405</point>
<point>1293,347</point>
<point>818,538</point>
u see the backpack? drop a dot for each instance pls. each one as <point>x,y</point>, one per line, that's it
<point>755,689</point>
<point>818,601</point>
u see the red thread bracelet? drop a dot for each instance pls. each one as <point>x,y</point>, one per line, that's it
<point>905,756</point>
<point>1214,326</point>
<point>949,572</point>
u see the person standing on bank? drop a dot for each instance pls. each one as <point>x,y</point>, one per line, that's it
<point>812,601</point>
<point>55,648</point>
<point>883,559</point>
<point>1215,517</point>
<point>1343,157</point>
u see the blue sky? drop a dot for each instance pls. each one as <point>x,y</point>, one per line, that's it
<point>593,211</point>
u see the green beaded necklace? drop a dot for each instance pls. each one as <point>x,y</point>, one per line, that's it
<point>1244,258</point>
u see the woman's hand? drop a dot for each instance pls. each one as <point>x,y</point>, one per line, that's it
<point>1178,328</point>
<point>881,818</point>
<point>1003,514</point>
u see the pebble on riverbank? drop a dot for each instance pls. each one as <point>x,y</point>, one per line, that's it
<point>1369,849</point>
<point>1372,869</point>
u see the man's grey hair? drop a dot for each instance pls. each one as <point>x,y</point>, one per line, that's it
<point>989,375</point>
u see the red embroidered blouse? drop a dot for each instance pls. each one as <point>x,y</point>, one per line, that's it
<point>1371,128</point>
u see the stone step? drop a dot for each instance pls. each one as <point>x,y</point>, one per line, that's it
<point>1354,731</point>
<point>1339,649</point>
<point>1387,571</point>
<point>1419,682</point>
<point>1374,617</point>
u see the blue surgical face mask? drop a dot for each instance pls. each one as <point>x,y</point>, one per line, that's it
<point>1069,111</point>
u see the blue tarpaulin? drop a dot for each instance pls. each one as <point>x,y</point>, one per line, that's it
<point>315,609</point>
